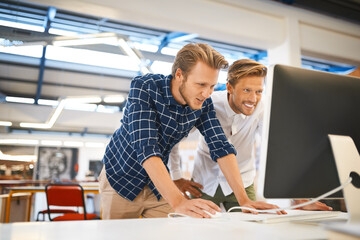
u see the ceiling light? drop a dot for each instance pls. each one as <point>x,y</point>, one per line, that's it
<point>47,102</point>
<point>19,141</point>
<point>62,32</point>
<point>5,123</point>
<point>91,57</point>
<point>73,144</point>
<point>81,107</point>
<point>19,100</point>
<point>35,125</point>
<point>51,143</point>
<point>146,47</point>
<point>169,51</point>
<point>22,26</point>
<point>84,99</point>
<point>86,41</point>
<point>29,51</point>
<point>94,145</point>
<point>8,141</point>
<point>28,141</point>
<point>114,99</point>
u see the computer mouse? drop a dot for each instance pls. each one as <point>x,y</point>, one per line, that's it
<point>216,215</point>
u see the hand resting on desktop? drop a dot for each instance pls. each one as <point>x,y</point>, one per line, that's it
<point>316,206</point>
<point>216,215</point>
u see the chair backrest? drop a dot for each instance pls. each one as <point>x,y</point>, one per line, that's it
<point>64,194</point>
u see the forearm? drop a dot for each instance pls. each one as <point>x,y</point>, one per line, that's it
<point>163,183</point>
<point>230,169</point>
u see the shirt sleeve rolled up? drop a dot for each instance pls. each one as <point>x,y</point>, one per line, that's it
<point>209,126</point>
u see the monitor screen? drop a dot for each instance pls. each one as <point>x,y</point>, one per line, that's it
<point>303,107</point>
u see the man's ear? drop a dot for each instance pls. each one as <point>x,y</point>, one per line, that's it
<point>178,74</point>
<point>229,88</point>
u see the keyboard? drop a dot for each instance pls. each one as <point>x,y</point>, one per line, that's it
<point>296,215</point>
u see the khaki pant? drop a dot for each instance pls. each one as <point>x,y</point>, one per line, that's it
<point>230,200</point>
<point>145,204</point>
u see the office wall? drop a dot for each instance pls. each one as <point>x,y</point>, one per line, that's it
<point>85,153</point>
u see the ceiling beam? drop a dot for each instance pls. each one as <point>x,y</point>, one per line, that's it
<point>49,17</point>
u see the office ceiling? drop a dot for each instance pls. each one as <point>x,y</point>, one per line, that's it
<point>52,79</point>
<point>65,76</point>
<point>348,10</point>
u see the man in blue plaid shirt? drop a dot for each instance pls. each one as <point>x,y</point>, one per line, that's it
<point>159,112</point>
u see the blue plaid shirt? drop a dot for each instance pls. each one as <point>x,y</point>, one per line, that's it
<point>153,122</point>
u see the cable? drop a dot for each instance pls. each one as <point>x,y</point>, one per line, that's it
<point>342,186</point>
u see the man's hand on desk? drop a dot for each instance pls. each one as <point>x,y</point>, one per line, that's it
<point>196,207</point>
<point>261,206</point>
<point>316,206</point>
<point>188,186</point>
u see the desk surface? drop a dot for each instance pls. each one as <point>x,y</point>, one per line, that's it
<point>229,226</point>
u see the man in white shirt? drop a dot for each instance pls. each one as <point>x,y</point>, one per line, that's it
<point>240,112</point>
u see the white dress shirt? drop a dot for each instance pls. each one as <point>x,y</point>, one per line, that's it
<point>240,131</point>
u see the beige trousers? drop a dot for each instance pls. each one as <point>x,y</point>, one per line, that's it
<point>145,204</point>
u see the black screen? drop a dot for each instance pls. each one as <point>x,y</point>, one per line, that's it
<point>306,106</point>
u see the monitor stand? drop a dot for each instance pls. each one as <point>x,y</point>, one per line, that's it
<point>347,161</point>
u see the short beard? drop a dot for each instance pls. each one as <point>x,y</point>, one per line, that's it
<point>182,90</point>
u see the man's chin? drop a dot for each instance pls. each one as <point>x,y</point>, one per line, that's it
<point>248,113</point>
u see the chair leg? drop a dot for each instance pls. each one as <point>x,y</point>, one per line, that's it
<point>38,215</point>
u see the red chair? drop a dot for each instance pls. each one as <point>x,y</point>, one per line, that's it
<point>43,212</point>
<point>67,195</point>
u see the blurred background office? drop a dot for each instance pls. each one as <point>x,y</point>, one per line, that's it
<point>66,66</point>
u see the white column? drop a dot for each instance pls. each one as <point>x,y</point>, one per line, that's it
<point>289,51</point>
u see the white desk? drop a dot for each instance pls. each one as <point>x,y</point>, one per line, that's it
<point>227,227</point>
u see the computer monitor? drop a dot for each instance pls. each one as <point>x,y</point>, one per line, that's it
<point>303,107</point>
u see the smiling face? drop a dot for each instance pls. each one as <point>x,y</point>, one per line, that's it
<point>197,86</point>
<point>246,94</point>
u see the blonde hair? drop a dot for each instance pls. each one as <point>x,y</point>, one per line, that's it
<point>191,53</point>
<point>243,68</point>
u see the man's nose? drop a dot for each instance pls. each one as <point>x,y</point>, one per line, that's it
<point>207,92</point>
<point>252,96</point>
